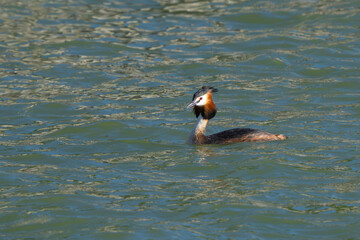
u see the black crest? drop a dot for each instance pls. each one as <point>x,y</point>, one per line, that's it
<point>203,90</point>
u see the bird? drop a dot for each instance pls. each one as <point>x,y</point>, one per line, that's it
<point>204,109</point>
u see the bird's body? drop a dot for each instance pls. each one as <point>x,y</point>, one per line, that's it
<point>205,109</point>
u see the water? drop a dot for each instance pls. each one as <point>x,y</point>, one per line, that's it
<point>93,121</point>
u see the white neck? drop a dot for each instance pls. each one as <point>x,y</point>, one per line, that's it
<point>197,135</point>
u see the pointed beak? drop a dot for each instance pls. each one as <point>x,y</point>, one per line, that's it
<point>192,104</point>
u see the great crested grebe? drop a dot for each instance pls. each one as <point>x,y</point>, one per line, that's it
<point>205,109</point>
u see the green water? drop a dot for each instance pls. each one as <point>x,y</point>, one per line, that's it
<point>93,121</point>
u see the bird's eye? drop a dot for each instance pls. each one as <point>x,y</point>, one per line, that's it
<point>200,98</point>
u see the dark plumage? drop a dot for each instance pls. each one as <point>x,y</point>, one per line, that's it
<point>243,135</point>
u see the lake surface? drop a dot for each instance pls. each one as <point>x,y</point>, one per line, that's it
<point>93,122</point>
